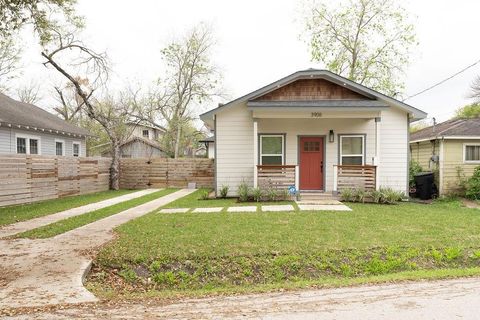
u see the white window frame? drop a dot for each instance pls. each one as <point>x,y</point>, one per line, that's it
<point>465,145</point>
<point>341,155</point>
<point>27,138</point>
<point>270,154</point>
<point>55,147</point>
<point>79,148</point>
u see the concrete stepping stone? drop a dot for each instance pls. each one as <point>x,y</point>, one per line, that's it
<point>323,207</point>
<point>277,208</point>
<point>317,202</point>
<point>206,210</point>
<point>174,210</point>
<point>243,209</point>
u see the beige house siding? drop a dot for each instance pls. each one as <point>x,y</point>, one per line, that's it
<point>453,159</point>
<point>235,134</point>
<point>234,150</point>
<point>422,152</point>
<point>393,165</point>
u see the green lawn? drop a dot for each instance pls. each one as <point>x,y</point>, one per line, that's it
<point>194,201</point>
<point>191,253</point>
<point>62,226</point>
<point>24,212</point>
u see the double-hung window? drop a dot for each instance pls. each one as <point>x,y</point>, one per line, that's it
<point>471,153</point>
<point>352,149</point>
<point>59,147</point>
<point>76,149</point>
<point>272,149</point>
<point>27,144</point>
<point>146,133</point>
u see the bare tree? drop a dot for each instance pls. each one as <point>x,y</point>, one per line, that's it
<point>476,89</point>
<point>29,93</point>
<point>95,67</point>
<point>9,61</point>
<point>191,79</point>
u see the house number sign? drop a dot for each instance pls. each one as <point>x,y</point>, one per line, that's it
<point>316,114</point>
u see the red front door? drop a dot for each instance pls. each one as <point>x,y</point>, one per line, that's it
<point>311,163</point>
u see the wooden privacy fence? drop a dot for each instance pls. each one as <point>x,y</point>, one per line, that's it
<point>165,172</point>
<point>30,178</point>
<point>355,176</point>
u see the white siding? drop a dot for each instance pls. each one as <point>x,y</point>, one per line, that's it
<point>47,141</point>
<point>293,128</point>
<point>234,158</point>
<point>394,149</point>
<point>211,150</point>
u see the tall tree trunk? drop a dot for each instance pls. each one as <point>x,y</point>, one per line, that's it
<point>177,141</point>
<point>115,166</point>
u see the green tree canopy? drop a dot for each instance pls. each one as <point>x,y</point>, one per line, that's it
<point>367,41</point>
<point>469,111</point>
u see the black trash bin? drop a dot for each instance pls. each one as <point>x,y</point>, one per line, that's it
<point>424,183</point>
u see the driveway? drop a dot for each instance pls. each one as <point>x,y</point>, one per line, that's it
<point>50,271</point>
<point>448,299</point>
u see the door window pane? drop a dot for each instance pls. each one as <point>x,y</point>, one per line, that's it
<point>33,146</point>
<point>352,160</point>
<point>59,148</point>
<point>21,145</point>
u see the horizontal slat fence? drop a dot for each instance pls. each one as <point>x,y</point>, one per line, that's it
<point>30,178</point>
<point>277,177</point>
<point>356,176</point>
<point>143,173</point>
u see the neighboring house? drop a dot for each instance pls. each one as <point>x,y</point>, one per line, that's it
<point>142,142</point>
<point>210,146</point>
<point>315,130</point>
<point>28,129</point>
<point>450,149</point>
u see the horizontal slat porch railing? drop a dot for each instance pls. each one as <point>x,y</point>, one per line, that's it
<point>276,176</point>
<point>355,176</point>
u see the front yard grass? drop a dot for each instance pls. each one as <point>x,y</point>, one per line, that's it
<point>194,200</point>
<point>191,254</point>
<point>68,224</point>
<point>17,213</point>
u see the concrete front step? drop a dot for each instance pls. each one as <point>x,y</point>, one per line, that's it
<point>311,196</point>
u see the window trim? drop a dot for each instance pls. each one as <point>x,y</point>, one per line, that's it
<point>260,154</point>
<point>27,138</point>
<point>465,145</point>
<point>352,135</point>
<point>63,147</point>
<point>79,148</point>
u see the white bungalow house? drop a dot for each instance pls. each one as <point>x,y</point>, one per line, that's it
<point>314,130</point>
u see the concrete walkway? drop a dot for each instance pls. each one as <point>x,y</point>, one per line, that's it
<point>12,229</point>
<point>440,300</point>
<point>50,271</point>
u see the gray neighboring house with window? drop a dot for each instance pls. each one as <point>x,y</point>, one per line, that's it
<point>28,129</point>
<point>449,149</point>
<point>313,130</point>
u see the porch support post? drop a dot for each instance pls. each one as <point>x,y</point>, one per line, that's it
<point>255,153</point>
<point>335,179</point>
<point>378,125</point>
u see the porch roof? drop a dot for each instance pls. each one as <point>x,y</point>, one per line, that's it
<point>319,104</point>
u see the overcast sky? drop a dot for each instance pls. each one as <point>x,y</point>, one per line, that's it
<point>258,42</point>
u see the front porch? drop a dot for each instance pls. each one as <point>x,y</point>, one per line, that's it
<point>320,154</point>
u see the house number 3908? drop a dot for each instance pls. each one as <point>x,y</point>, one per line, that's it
<point>316,114</point>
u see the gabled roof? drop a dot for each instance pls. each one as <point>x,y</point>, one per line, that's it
<point>320,74</point>
<point>28,116</point>
<point>208,139</point>
<point>148,142</point>
<point>455,128</point>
